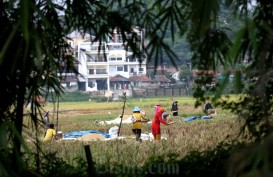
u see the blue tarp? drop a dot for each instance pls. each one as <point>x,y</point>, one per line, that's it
<point>206,117</point>
<point>190,119</point>
<point>78,134</point>
<point>195,117</point>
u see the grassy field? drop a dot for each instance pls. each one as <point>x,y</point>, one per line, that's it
<point>182,137</point>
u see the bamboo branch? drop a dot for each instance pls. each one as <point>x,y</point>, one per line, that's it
<point>121,117</point>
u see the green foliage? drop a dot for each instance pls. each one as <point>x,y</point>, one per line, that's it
<point>30,59</point>
<point>33,50</point>
<point>74,97</point>
<point>256,157</point>
<point>99,98</point>
<point>212,47</point>
<point>56,167</point>
<point>53,166</point>
<point>207,163</point>
<point>173,81</point>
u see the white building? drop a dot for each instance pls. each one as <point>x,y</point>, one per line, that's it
<point>69,79</point>
<point>100,61</point>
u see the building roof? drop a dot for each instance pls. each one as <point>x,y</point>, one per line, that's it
<point>118,78</point>
<point>140,78</point>
<point>161,78</point>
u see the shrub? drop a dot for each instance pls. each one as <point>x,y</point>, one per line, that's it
<point>99,98</point>
<point>75,97</point>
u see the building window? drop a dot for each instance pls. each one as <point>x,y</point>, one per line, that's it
<point>116,57</point>
<point>140,70</point>
<point>120,68</point>
<point>101,59</point>
<point>90,84</point>
<point>91,71</point>
<point>130,58</point>
<point>112,69</point>
<point>101,71</point>
<point>131,70</point>
<point>125,68</point>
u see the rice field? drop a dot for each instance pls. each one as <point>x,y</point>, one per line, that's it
<point>181,137</point>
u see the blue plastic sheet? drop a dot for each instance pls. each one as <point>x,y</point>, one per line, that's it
<point>190,119</point>
<point>77,134</point>
<point>206,117</point>
<point>195,117</point>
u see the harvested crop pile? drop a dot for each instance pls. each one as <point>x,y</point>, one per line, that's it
<point>91,137</point>
<point>125,116</point>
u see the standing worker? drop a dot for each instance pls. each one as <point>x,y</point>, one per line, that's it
<point>174,108</point>
<point>137,119</point>
<point>156,124</point>
<point>46,120</point>
<point>157,107</point>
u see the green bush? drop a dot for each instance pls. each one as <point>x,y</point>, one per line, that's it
<point>75,97</point>
<point>99,98</point>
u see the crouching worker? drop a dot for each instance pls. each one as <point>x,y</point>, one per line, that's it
<point>208,109</point>
<point>50,133</point>
<point>137,119</point>
<point>167,118</point>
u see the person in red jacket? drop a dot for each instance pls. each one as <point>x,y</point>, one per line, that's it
<point>156,124</point>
